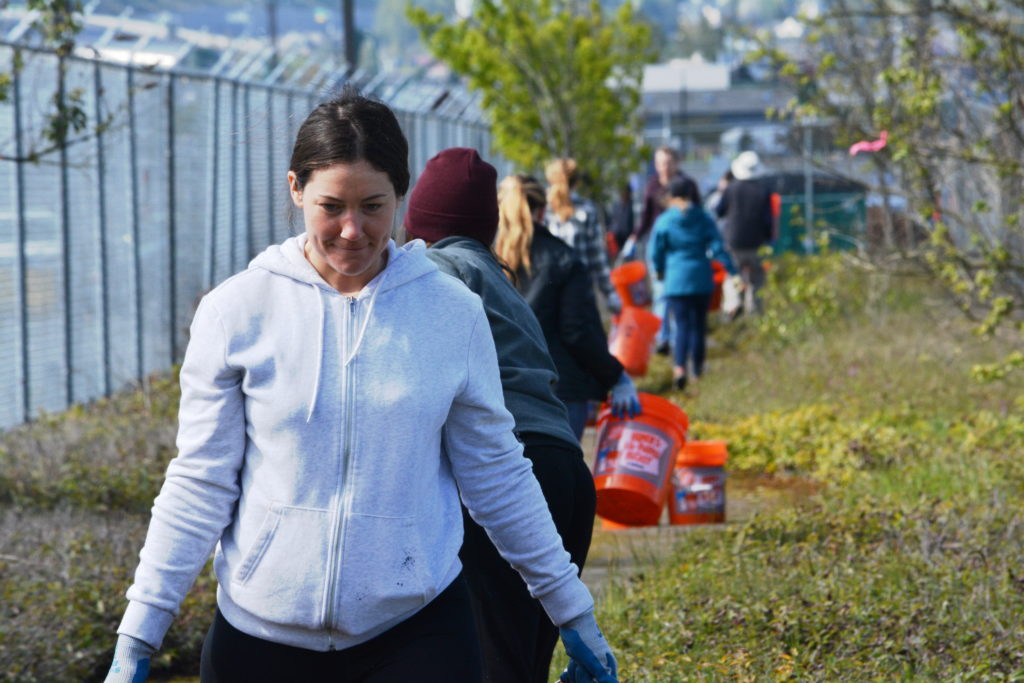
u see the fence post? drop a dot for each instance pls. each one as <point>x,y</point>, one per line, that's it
<point>19,249</point>
<point>250,248</point>
<point>211,226</point>
<point>233,185</point>
<point>172,222</point>
<point>65,241</point>
<point>271,232</point>
<point>101,207</point>
<point>134,212</point>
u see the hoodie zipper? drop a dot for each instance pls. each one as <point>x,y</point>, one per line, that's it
<point>347,392</point>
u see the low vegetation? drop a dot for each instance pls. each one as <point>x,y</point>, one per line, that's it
<point>903,561</point>
<point>899,554</point>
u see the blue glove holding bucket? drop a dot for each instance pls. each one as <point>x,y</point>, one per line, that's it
<point>131,661</point>
<point>590,658</point>
<point>624,398</point>
<point>614,303</point>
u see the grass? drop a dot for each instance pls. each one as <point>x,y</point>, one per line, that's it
<point>880,490</point>
<point>902,559</point>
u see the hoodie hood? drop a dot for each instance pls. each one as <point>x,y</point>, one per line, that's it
<point>288,259</point>
<point>404,264</point>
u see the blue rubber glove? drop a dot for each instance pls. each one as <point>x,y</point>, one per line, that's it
<point>131,661</point>
<point>590,658</point>
<point>624,399</point>
<point>614,303</point>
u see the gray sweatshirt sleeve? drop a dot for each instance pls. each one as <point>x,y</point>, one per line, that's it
<point>499,489</point>
<point>201,487</point>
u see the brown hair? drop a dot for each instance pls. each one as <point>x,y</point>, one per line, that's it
<point>519,196</point>
<point>669,150</point>
<point>347,129</point>
<point>561,175</point>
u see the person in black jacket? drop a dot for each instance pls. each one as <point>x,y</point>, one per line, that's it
<point>454,209</point>
<point>746,207</point>
<point>557,287</point>
<point>622,222</point>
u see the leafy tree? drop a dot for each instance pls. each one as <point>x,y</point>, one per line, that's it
<point>945,78</point>
<point>56,26</point>
<point>558,78</point>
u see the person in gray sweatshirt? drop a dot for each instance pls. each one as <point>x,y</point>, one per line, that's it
<point>454,209</point>
<point>337,398</point>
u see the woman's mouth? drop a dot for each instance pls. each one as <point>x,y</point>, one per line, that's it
<point>348,246</point>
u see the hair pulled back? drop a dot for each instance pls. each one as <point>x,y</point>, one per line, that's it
<point>561,176</point>
<point>519,197</point>
<point>347,129</point>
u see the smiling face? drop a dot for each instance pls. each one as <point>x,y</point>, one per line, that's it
<point>348,210</point>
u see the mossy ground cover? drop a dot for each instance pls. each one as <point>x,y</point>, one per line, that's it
<point>895,550</point>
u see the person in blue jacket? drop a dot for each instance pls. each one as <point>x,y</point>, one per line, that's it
<point>682,238</point>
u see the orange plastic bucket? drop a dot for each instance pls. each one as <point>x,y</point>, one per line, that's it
<point>634,460</point>
<point>609,525</point>
<point>630,281</point>
<point>718,274</point>
<point>633,339</point>
<point>698,483</point>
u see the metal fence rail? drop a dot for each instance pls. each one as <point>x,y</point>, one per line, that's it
<point>106,244</point>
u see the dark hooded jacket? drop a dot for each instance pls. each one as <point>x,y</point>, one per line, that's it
<point>558,290</point>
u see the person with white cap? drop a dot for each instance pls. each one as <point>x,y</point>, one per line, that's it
<point>746,208</point>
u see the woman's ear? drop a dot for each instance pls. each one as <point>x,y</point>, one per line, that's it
<point>294,189</point>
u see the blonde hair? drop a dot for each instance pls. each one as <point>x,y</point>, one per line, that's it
<point>561,175</point>
<point>518,197</point>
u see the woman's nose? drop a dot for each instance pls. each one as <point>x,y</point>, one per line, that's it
<point>351,226</point>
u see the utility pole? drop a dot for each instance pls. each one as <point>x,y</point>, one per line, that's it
<point>348,27</point>
<point>272,32</point>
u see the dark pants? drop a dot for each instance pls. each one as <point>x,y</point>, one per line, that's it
<point>577,417</point>
<point>690,314</point>
<point>516,636</point>
<point>438,644</point>
<point>751,269</point>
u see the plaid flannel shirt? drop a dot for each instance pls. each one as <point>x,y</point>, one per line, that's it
<point>582,232</point>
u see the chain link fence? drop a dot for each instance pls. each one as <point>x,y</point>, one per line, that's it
<point>107,242</point>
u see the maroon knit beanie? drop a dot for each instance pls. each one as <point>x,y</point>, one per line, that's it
<point>456,195</point>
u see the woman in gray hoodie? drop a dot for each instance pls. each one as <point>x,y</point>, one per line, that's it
<point>337,397</point>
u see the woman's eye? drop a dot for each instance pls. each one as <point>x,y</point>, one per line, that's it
<point>332,209</point>
<point>371,208</point>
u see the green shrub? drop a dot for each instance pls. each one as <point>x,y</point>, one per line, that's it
<point>806,293</point>
<point>812,440</point>
<point>926,592</point>
<point>817,441</point>
<point>110,454</point>
<point>63,575</point>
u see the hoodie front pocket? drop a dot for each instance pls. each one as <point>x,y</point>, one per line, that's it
<point>382,572</point>
<point>281,577</point>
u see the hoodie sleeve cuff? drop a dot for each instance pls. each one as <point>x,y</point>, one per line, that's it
<point>568,601</point>
<point>145,622</point>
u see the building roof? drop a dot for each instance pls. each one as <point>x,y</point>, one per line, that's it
<point>739,100</point>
